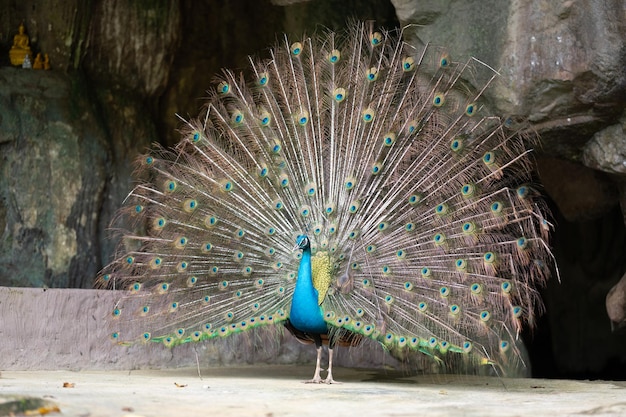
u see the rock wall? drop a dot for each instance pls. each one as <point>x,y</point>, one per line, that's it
<point>54,157</point>
<point>561,65</point>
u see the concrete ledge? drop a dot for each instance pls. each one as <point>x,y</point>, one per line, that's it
<point>278,391</point>
<point>65,329</point>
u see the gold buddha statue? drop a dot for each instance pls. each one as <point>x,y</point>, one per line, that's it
<point>38,64</point>
<point>20,48</point>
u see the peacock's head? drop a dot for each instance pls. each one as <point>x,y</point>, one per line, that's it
<point>302,242</point>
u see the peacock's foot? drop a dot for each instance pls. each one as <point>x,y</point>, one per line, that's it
<point>315,380</point>
<point>319,380</point>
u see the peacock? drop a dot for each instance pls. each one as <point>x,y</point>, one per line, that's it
<point>350,186</point>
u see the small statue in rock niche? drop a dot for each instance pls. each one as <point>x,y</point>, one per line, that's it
<point>46,62</point>
<point>38,64</point>
<point>27,63</point>
<point>20,49</point>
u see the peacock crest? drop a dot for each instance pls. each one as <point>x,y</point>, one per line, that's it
<point>424,230</point>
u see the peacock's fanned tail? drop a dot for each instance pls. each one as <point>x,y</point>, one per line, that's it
<point>416,199</point>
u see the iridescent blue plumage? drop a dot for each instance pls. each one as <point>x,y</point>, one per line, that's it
<point>305,313</point>
<point>306,318</point>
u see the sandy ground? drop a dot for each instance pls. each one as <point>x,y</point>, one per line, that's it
<point>272,391</point>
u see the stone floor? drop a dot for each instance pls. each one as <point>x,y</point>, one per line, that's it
<point>272,391</point>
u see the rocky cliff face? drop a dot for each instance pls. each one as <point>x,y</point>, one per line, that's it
<point>562,67</point>
<point>62,177</point>
<point>121,72</point>
<point>123,69</point>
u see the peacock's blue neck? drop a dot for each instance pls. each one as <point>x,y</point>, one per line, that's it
<point>306,314</point>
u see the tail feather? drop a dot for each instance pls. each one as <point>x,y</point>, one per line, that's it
<point>386,156</point>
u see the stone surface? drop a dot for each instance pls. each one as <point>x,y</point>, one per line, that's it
<point>278,391</point>
<point>558,60</point>
<point>606,151</point>
<point>66,166</point>
<point>53,175</point>
<point>11,405</point>
<point>120,32</point>
<point>580,193</point>
<point>616,303</point>
<point>561,66</point>
<point>217,35</point>
<point>57,329</point>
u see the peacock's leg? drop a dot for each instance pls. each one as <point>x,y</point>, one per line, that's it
<point>317,379</point>
<point>329,379</point>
